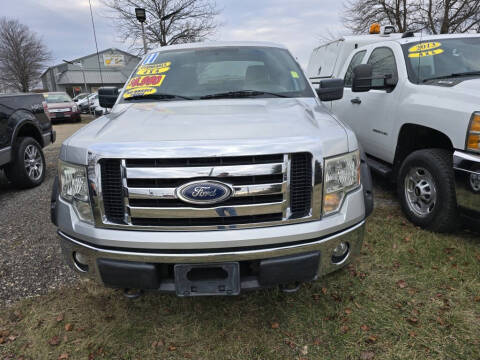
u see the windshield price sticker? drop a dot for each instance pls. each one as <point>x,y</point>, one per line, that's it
<point>142,81</point>
<point>154,69</point>
<point>139,91</point>
<point>425,49</point>
<point>294,74</point>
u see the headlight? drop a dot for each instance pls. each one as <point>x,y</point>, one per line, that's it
<point>341,175</point>
<point>473,134</point>
<point>74,189</point>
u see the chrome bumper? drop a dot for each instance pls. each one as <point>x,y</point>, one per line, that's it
<point>467,178</point>
<point>325,245</point>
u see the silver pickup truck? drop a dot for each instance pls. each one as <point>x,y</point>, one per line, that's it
<point>217,170</point>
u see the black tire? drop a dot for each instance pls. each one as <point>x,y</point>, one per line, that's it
<point>429,167</point>
<point>17,172</point>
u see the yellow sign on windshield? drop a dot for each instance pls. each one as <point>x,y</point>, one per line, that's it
<point>425,49</point>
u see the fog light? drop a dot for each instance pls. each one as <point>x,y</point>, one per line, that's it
<point>340,252</point>
<point>80,261</point>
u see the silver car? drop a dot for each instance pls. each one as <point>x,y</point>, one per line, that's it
<point>217,170</point>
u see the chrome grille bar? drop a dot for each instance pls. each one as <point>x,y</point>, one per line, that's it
<point>188,212</point>
<point>196,172</point>
<point>239,191</point>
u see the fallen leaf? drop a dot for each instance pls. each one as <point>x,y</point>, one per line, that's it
<point>317,341</point>
<point>367,355</point>
<point>2,340</point>
<point>68,327</point>
<point>357,305</point>
<point>348,311</point>
<point>477,299</point>
<point>60,317</point>
<point>324,291</point>
<point>344,329</point>
<point>440,321</point>
<point>63,356</point>
<point>275,325</point>
<point>413,320</point>
<point>371,339</point>
<point>172,348</point>
<point>12,338</point>
<point>401,284</point>
<point>412,334</point>
<point>54,341</point>
<point>364,327</point>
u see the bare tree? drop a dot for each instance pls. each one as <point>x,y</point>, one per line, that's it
<point>22,55</point>
<point>436,16</point>
<point>173,21</point>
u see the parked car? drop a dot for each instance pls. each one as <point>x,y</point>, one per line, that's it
<point>96,109</point>
<point>61,106</point>
<point>80,96</point>
<point>85,103</point>
<point>413,102</point>
<point>217,170</point>
<point>25,129</point>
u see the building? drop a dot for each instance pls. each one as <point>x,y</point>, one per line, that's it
<point>115,68</point>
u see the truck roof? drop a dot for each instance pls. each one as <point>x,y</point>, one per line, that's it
<point>217,44</point>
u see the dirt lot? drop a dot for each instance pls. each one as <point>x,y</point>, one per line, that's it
<point>30,256</point>
<point>411,294</point>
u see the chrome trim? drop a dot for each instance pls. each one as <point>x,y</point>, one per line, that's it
<point>5,155</point>
<point>239,190</point>
<point>215,212</point>
<point>203,171</point>
<point>325,245</point>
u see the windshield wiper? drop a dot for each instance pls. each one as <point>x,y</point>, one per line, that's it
<point>454,75</point>
<point>240,94</point>
<point>157,97</point>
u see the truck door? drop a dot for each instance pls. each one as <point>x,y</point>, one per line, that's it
<point>371,114</point>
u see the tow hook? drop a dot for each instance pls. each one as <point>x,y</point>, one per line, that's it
<point>290,288</point>
<point>132,294</point>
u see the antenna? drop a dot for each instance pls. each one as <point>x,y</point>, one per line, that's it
<point>96,44</point>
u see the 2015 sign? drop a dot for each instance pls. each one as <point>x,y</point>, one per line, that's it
<point>142,81</point>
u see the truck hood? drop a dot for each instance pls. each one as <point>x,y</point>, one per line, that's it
<point>219,125</point>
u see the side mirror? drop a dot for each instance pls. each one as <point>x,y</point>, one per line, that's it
<point>107,96</point>
<point>76,100</point>
<point>362,78</point>
<point>330,89</point>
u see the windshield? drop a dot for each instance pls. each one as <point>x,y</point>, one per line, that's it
<point>443,58</point>
<point>57,98</point>
<point>217,72</point>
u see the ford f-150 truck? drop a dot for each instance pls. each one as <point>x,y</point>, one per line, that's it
<point>414,104</point>
<point>25,128</point>
<point>217,170</point>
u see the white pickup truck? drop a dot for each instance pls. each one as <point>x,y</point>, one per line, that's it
<point>413,102</point>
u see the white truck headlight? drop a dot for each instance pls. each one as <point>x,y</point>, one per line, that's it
<point>74,189</point>
<point>341,175</point>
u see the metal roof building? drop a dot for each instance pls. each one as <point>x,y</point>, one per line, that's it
<point>115,68</point>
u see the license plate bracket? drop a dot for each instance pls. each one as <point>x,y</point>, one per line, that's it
<point>207,279</point>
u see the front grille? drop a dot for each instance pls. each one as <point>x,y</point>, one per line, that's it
<point>301,185</point>
<point>261,192</point>
<point>112,190</point>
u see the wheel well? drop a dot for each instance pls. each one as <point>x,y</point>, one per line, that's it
<point>29,130</point>
<point>416,137</point>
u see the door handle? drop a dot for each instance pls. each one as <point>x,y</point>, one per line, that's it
<point>356,101</point>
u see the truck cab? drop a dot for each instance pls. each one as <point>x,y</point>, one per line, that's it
<point>413,104</point>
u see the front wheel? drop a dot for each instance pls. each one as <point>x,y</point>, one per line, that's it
<point>426,186</point>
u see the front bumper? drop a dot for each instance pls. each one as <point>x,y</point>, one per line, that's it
<point>467,178</point>
<point>153,269</point>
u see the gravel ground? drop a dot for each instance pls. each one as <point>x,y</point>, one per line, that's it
<point>30,257</point>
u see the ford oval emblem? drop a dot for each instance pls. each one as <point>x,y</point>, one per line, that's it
<point>204,192</point>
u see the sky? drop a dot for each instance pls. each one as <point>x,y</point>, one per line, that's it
<point>65,25</point>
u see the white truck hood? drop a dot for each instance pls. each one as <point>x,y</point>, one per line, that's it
<point>229,126</point>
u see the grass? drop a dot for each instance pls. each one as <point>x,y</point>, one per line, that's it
<point>411,294</point>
